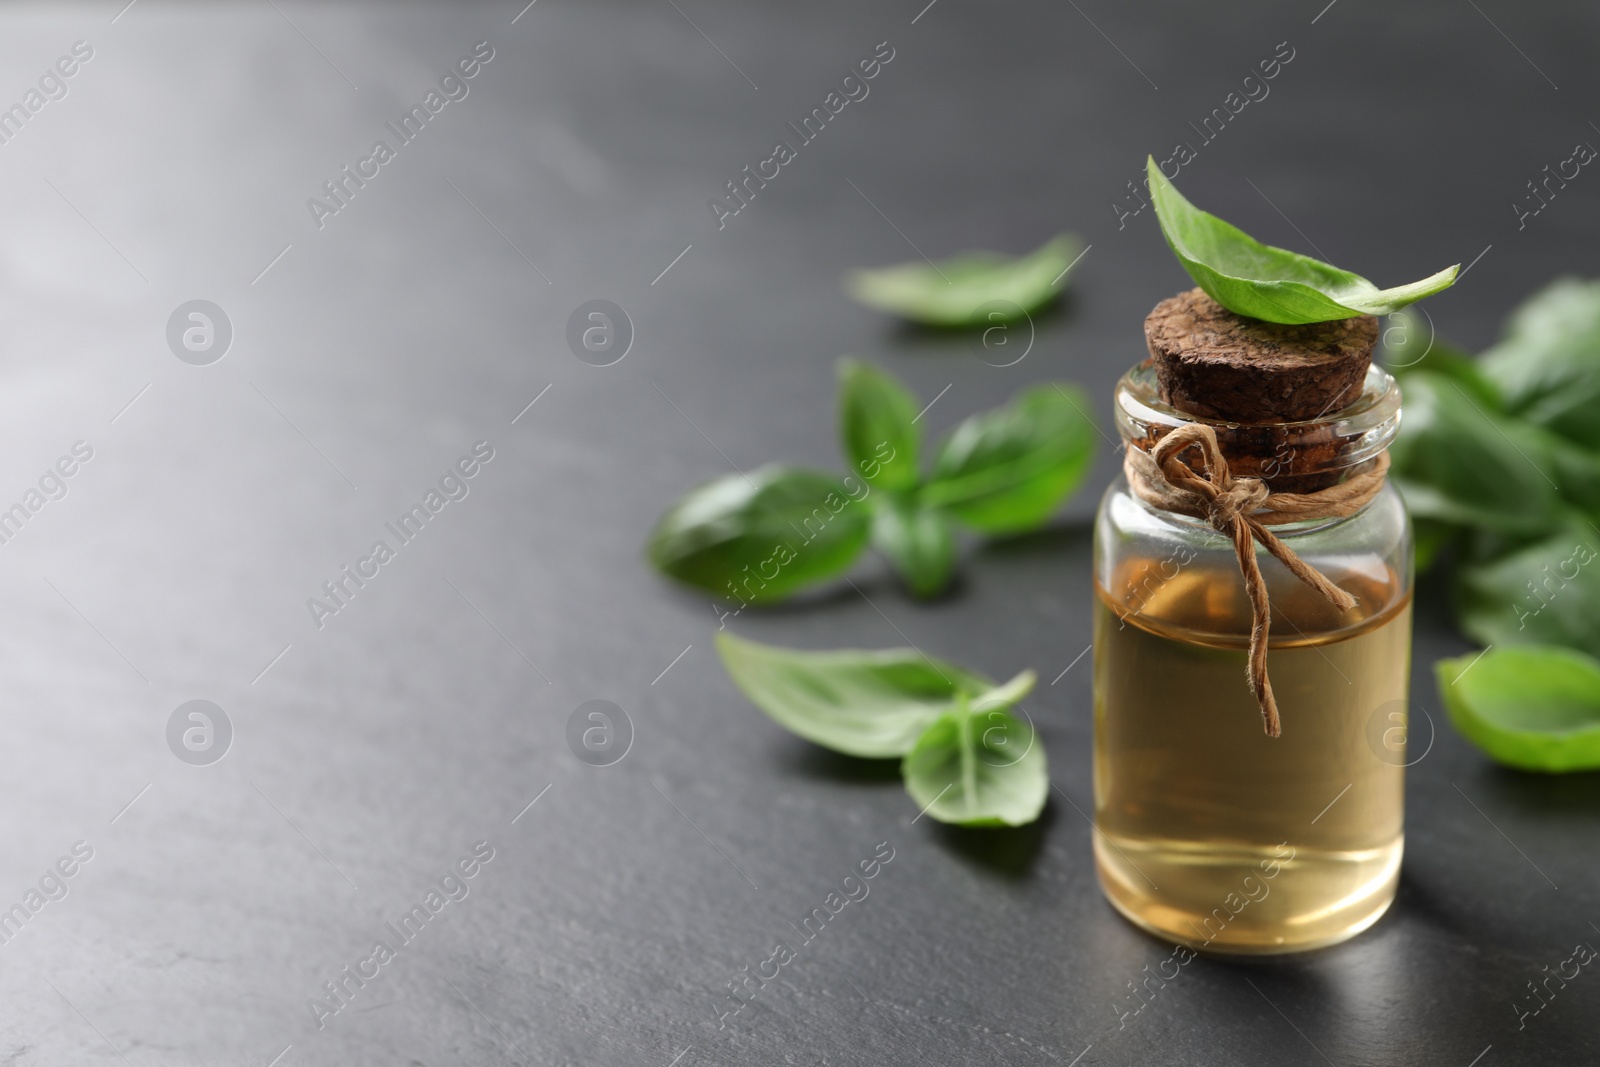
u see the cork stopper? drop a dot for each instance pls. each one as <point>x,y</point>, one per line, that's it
<point>1217,365</point>
<point>1224,367</point>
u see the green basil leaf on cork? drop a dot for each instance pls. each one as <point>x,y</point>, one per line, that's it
<point>1536,707</point>
<point>972,289</point>
<point>1263,282</point>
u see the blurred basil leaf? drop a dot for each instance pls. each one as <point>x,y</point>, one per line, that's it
<point>1409,347</point>
<point>978,768</point>
<point>1423,363</point>
<point>1007,470</point>
<point>762,537</point>
<point>1006,694</point>
<point>862,703</point>
<point>1548,363</point>
<point>1459,462</point>
<point>1430,538</point>
<point>1574,468</point>
<point>918,540</point>
<point>1262,282</point>
<point>1535,707</point>
<point>875,419</point>
<point>1544,593</point>
<point>955,291</point>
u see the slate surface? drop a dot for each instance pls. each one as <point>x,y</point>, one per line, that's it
<point>369,354</point>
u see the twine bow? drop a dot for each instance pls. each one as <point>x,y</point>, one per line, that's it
<point>1241,509</point>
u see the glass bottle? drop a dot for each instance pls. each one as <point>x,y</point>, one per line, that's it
<point>1211,833</point>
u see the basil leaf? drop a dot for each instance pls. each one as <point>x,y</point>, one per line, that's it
<point>1004,696</point>
<point>1263,282</point>
<point>861,703</point>
<point>956,291</point>
<point>1536,708</point>
<point>1007,470</point>
<point>1544,593</point>
<point>1548,363</point>
<point>762,537</point>
<point>1410,347</point>
<point>978,768</point>
<point>876,415</point>
<point>1430,538</point>
<point>1574,468</point>
<point>1459,462</point>
<point>919,542</point>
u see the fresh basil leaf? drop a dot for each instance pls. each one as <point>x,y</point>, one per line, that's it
<point>1574,468</point>
<point>876,414</point>
<point>957,291</point>
<point>1548,363</point>
<point>978,768</point>
<point>1007,470</point>
<point>861,703</point>
<point>1536,708</point>
<point>1262,282</point>
<point>1430,538</point>
<point>1005,695</point>
<point>762,537</point>
<point>918,540</point>
<point>1459,462</point>
<point>1543,594</point>
<point>1410,347</point>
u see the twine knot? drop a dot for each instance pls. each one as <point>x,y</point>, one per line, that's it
<point>1231,498</point>
<point>1241,509</point>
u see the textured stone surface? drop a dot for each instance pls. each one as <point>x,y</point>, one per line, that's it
<point>428,713</point>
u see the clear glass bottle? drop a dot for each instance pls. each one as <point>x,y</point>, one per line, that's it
<point>1211,833</point>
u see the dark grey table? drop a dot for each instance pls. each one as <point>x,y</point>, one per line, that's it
<point>373,747</point>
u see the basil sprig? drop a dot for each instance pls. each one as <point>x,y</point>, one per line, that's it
<point>966,759</point>
<point>973,289</point>
<point>1263,282</point>
<point>1540,593</point>
<point>762,537</point>
<point>1499,460</point>
<point>1547,367</point>
<point>1006,471</point>
<point>1462,461</point>
<point>919,541</point>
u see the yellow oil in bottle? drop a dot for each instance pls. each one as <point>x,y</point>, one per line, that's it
<point>1212,834</point>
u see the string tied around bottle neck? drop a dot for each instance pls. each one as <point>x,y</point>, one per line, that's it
<point>1241,509</point>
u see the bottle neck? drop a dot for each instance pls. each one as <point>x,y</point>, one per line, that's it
<point>1198,528</point>
<point>1309,456</point>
